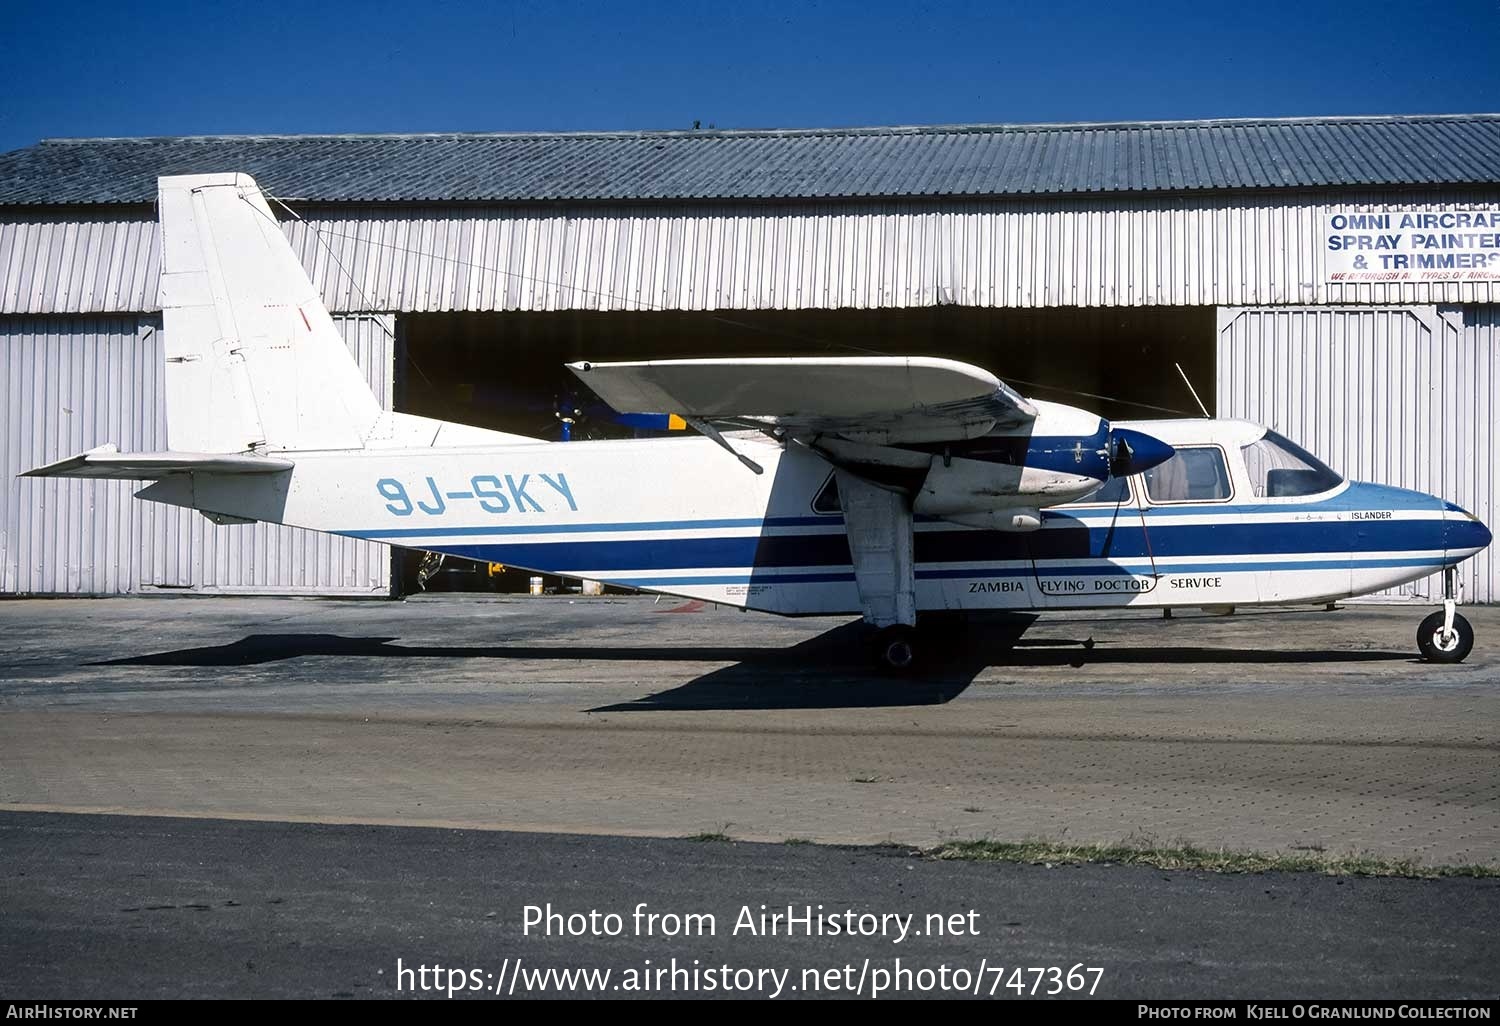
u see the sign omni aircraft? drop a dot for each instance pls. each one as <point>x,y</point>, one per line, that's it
<point>884,486</point>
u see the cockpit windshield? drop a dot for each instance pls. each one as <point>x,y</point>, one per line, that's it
<point>1280,468</point>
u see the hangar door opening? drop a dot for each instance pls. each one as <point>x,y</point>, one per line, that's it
<point>1404,396</point>
<point>505,370</point>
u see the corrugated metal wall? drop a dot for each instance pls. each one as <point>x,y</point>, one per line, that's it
<point>1475,421</point>
<point>1406,397</point>
<point>1124,251</point>
<point>81,262</point>
<point>71,383</point>
<point>1243,251</point>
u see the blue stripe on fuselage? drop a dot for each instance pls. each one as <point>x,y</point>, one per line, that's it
<point>381,534</point>
<point>983,573</point>
<point>1111,535</point>
<point>1126,540</point>
<point>1355,497</point>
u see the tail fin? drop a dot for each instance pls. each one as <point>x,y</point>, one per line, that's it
<point>254,362</point>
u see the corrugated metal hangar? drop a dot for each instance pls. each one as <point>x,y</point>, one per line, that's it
<point>1336,278</point>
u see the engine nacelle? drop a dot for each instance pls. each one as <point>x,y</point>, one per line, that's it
<point>1060,456</point>
<point>955,486</point>
<point>1063,454</point>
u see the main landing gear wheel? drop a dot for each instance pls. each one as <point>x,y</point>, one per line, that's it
<point>894,648</point>
<point>1436,647</point>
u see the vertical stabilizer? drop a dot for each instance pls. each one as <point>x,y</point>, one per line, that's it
<point>254,362</point>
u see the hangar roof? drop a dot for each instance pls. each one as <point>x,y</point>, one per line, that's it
<point>946,160</point>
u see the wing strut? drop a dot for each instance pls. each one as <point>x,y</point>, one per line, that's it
<point>707,430</point>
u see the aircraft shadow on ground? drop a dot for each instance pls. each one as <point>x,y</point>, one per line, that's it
<point>834,670</point>
<point>831,670</point>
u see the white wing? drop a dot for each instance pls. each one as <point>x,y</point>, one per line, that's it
<point>876,399</point>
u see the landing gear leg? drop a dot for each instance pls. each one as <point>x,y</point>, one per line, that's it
<point>431,563</point>
<point>878,524</point>
<point>1446,637</point>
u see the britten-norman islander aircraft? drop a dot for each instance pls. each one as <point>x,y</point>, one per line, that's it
<point>883,486</point>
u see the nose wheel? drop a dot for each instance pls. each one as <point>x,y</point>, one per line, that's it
<point>1442,644</point>
<point>1445,636</point>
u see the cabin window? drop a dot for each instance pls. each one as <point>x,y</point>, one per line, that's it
<point>1195,474</point>
<point>827,499</point>
<point>1280,468</point>
<point>1113,492</point>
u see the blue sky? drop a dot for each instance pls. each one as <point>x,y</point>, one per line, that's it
<point>165,67</point>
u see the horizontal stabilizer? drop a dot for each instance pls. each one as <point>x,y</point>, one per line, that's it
<point>108,462</point>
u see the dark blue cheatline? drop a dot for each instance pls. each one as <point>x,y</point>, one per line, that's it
<point>1125,540</point>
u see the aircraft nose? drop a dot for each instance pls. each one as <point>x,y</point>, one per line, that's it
<point>1463,533</point>
<point>1135,451</point>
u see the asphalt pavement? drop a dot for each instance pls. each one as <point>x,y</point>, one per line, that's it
<point>1294,732</point>
<point>126,907</point>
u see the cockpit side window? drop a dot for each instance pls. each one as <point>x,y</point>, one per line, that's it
<point>1195,474</point>
<point>1279,468</point>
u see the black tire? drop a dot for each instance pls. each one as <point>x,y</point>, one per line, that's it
<point>1430,641</point>
<point>895,649</point>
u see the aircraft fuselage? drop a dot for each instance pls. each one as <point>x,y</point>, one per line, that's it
<point>680,516</point>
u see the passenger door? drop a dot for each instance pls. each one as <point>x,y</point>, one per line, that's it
<point>1203,545</point>
<point>1093,552</point>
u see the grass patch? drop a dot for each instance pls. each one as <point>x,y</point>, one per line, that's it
<point>719,836</point>
<point>796,840</point>
<point>1182,857</point>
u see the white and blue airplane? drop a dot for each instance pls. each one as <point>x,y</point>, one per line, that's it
<point>887,487</point>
